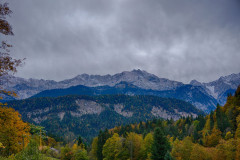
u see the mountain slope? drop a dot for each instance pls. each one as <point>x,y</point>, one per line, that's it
<point>220,88</point>
<point>211,93</point>
<point>193,94</point>
<point>142,79</point>
<point>86,115</point>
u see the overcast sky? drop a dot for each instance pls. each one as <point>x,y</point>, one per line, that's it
<point>175,39</point>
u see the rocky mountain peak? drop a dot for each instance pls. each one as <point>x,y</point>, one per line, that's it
<point>195,83</point>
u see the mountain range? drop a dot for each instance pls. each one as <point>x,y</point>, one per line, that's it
<point>204,96</point>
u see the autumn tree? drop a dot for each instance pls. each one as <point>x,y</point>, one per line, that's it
<point>213,139</point>
<point>7,63</point>
<point>135,143</point>
<point>111,148</point>
<point>14,133</point>
<point>93,152</point>
<point>146,148</point>
<point>199,153</point>
<point>237,149</point>
<point>226,150</point>
<point>182,149</point>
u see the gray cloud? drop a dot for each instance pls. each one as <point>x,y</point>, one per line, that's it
<point>180,40</point>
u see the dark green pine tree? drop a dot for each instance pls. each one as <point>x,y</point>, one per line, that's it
<point>195,135</point>
<point>160,145</point>
<point>102,138</point>
<point>211,120</point>
<point>141,128</point>
<point>222,120</point>
<point>168,156</point>
<point>80,140</point>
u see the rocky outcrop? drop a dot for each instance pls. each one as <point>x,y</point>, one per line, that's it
<point>86,107</point>
<point>159,112</point>
<point>119,108</point>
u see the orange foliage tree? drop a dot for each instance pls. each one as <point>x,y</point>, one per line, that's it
<point>14,133</point>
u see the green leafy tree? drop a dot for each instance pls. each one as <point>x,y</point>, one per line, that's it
<point>30,152</point>
<point>66,153</point>
<point>81,154</point>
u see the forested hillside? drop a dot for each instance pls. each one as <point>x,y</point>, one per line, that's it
<point>71,116</point>
<point>214,137</point>
<point>195,95</point>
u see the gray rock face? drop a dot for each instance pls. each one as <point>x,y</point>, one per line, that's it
<point>161,113</point>
<point>87,107</point>
<point>119,108</point>
<point>221,87</point>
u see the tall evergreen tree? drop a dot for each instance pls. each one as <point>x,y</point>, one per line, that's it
<point>102,138</point>
<point>160,145</point>
<point>211,120</point>
<point>80,140</point>
<point>222,120</point>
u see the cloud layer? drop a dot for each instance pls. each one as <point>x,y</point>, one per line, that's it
<point>179,40</point>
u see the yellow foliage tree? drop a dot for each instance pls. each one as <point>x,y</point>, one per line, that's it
<point>199,153</point>
<point>228,135</point>
<point>182,149</point>
<point>176,150</point>
<point>93,152</point>
<point>14,133</point>
<point>135,143</point>
<point>146,147</point>
<point>74,147</point>
<point>226,150</point>
<point>213,139</point>
<point>112,148</point>
<point>238,149</point>
<point>237,134</point>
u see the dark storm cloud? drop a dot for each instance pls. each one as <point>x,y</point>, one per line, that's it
<point>180,40</point>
